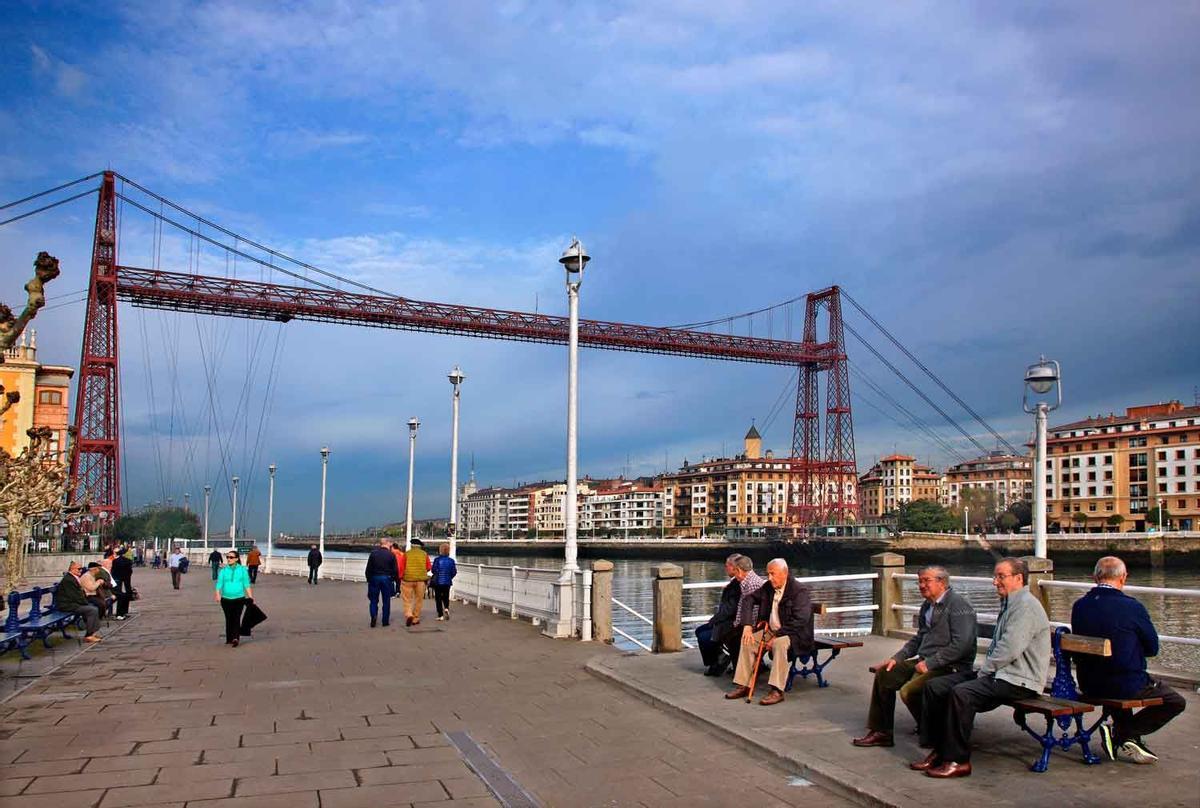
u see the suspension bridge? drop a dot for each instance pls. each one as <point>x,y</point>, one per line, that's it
<point>822,443</point>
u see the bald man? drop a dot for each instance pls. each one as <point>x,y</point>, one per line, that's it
<point>785,606</point>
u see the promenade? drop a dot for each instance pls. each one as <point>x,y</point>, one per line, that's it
<point>317,709</point>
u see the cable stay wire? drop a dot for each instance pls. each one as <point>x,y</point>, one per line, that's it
<point>746,314</point>
<point>52,205</point>
<point>49,191</point>
<point>936,380</point>
<point>928,430</point>
<point>776,408</point>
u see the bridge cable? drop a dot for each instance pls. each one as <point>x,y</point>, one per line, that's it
<point>929,431</point>
<point>48,207</point>
<point>49,191</point>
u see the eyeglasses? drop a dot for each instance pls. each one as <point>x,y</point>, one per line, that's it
<point>1000,576</point>
<point>231,557</point>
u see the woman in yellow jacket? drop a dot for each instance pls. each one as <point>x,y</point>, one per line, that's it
<point>233,592</point>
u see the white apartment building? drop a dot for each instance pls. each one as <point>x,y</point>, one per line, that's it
<point>628,508</point>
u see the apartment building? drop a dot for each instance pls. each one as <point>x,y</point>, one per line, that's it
<point>1009,477</point>
<point>1107,472</point>
<point>45,399</point>
<point>895,480</point>
<point>623,507</point>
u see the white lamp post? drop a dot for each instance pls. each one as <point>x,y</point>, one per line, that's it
<point>1042,378</point>
<point>233,521</point>
<point>324,468</point>
<point>574,259</point>
<point>413,424</point>
<point>456,377</point>
<point>270,513</point>
<point>207,491</point>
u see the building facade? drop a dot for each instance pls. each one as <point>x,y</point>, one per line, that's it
<point>1108,472</point>
<point>1008,477</point>
<point>895,480</point>
<point>623,507</point>
<point>45,399</point>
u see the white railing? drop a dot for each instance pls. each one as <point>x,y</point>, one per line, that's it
<point>519,591</point>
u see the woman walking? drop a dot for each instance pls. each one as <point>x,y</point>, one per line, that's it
<point>232,592</point>
<point>444,570</point>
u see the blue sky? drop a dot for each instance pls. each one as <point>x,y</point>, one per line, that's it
<point>991,181</point>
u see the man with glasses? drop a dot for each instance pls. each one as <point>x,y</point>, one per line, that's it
<point>944,644</point>
<point>69,597</point>
<point>1014,668</point>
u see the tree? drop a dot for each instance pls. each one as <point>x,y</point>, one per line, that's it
<point>1115,521</point>
<point>163,523</point>
<point>924,516</point>
<point>1080,519</point>
<point>1152,520</point>
<point>1023,511</point>
<point>981,507</point>
<point>1006,521</point>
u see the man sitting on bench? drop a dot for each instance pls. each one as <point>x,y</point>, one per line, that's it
<point>1014,668</point>
<point>70,598</point>
<point>717,638</point>
<point>944,643</point>
<point>1106,611</point>
<point>786,607</point>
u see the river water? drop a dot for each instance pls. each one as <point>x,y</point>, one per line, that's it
<point>1172,615</point>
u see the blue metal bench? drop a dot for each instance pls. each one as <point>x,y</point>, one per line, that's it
<point>13,639</point>
<point>812,664</point>
<point>40,624</point>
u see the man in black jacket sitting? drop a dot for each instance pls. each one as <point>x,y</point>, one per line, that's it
<point>717,638</point>
<point>70,598</point>
<point>947,632</point>
<point>785,606</point>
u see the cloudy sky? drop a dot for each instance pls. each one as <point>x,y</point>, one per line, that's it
<point>992,182</point>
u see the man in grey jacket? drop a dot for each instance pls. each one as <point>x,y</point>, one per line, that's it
<point>944,644</point>
<point>1014,668</point>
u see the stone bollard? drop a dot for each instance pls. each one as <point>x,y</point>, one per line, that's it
<point>887,592</point>
<point>1040,569</point>
<point>668,609</point>
<point>602,577</point>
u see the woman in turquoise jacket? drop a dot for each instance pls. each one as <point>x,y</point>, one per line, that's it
<point>233,593</point>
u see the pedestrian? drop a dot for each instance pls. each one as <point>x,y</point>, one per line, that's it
<point>233,591</point>
<point>69,597</point>
<point>214,561</point>
<point>122,573</point>
<point>444,569</point>
<point>414,572</point>
<point>155,559</point>
<point>380,572</point>
<point>253,560</point>
<point>174,562</point>
<point>398,552</point>
<point>314,565</point>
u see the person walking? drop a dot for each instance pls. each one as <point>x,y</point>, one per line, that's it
<point>314,565</point>
<point>122,573</point>
<point>214,561</point>
<point>253,560</point>
<point>414,572</point>
<point>233,590</point>
<point>398,552</point>
<point>174,562</point>
<point>380,572</point>
<point>444,569</point>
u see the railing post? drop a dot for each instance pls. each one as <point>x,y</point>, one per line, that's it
<point>512,609</point>
<point>887,592</point>
<point>668,609</point>
<point>585,611</point>
<point>602,576</point>
<point>1040,569</point>
<point>479,586</point>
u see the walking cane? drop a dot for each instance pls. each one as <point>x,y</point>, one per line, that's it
<point>767,637</point>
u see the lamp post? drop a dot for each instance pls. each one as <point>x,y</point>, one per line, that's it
<point>207,491</point>
<point>413,424</point>
<point>324,468</point>
<point>456,377</point>
<point>270,513</point>
<point>574,259</point>
<point>1042,379</point>
<point>233,520</point>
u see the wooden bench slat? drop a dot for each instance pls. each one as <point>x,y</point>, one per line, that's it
<point>1123,704</point>
<point>1081,644</point>
<point>1048,705</point>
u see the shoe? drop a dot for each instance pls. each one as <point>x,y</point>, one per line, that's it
<point>94,638</point>
<point>235,643</point>
<point>875,738</point>
<point>739,692</point>
<point>408,621</point>
<point>441,618</point>
<point>925,763</point>
<point>416,621</point>
<point>949,769</point>
<point>372,622</point>
<point>120,617</point>
<point>1135,751</point>
<point>1106,742</point>
<point>447,612</point>
<point>386,623</point>
<point>714,670</point>
<point>774,697</point>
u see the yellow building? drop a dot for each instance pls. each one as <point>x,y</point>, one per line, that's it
<point>895,480</point>
<point>45,399</point>
<point>1009,478</point>
<point>1105,473</point>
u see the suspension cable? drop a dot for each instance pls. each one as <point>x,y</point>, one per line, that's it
<point>48,191</point>
<point>44,208</point>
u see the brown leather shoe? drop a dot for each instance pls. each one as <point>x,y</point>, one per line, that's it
<point>925,763</point>
<point>739,692</point>
<point>774,697</point>
<point>875,738</point>
<point>949,769</point>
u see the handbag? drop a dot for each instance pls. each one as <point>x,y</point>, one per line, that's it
<point>251,618</point>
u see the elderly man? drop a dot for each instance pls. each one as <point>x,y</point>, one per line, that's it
<point>70,597</point>
<point>380,573</point>
<point>944,643</point>
<point>1106,611</point>
<point>717,637</point>
<point>786,609</point>
<point>1014,668</point>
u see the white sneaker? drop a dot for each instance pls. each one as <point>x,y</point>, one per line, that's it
<point>1136,752</point>
<point>440,619</point>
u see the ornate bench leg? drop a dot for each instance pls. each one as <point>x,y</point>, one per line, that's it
<point>1048,743</point>
<point>1084,737</point>
<point>821,667</point>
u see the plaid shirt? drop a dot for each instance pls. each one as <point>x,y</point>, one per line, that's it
<point>745,612</point>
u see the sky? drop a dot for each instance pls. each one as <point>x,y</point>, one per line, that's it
<point>992,182</point>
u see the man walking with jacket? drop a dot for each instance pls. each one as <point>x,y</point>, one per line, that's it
<point>1014,668</point>
<point>944,643</point>
<point>414,569</point>
<point>380,572</point>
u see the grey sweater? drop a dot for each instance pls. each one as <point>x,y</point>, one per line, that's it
<point>1020,649</point>
<point>949,639</point>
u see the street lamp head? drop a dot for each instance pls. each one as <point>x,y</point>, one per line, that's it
<point>413,423</point>
<point>207,489</point>
<point>324,453</point>
<point>456,376</point>
<point>235,480</point>
<point>1042,378</point>
<point>271,468</point>
<point>574,257</point>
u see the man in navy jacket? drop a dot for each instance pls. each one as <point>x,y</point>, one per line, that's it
<point>1106,611</point>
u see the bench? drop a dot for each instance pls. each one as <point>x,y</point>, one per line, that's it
<point>42,625</point>
<point>811,664</point>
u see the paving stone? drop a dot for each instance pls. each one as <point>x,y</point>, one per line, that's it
<point>76,750</point>
<point>374,796</point>
<point>172,792</point>
<point>161,760</point>
<point>293,799</point>
<point>385,744</point>
<point>448,770</point>
<point>79,799</point>
<point>215,771</point>
<point>11,786</point>
<point>464,787</point>
<point>430,740</point>
<point>49,767</point>
<point>293,764</point>
<point>467,802</point>
<point>292,737</point>
<point>83,782</point>
<point>408,757</point>
<point>234,754</point>
<point>339,778</point>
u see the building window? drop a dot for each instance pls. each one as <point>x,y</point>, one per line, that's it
<point>1108,490</point>
<point>1108,460</point>
<point>1162,455</point>
<point>1092,507</point>
<point>1138,441</point>
<point>1091,476</point>
<point>1180,488</point>
<point>1181,471</point>
<point>49,397</point>
<point>1180,454</point>
<point>1108,475</point>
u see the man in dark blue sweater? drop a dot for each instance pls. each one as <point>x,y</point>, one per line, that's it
<point>1106,611</point>
<point>381,571</point>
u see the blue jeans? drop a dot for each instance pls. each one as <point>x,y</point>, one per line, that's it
<point>380,586</point>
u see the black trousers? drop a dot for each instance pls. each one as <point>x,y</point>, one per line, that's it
<point>441,598</point>
<point>253,573</point>
<point>949,707</point>
<point>711,647</point>
<point>1128,724</point>
<point>175,577</point>
<point>233,617</point>
<point>312,574</point>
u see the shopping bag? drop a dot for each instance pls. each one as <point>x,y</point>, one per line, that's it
<point>251,618</point>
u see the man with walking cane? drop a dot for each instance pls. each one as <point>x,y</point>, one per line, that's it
<point>787,631</point>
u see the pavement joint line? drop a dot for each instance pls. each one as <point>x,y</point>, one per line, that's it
<point>84,648</point>
<point>499,782</point>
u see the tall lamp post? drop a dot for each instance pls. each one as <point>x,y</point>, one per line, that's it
<point>270,513</point>
<point>456,377</point>
<point>574,259</point>
<point>1042,379</point>
<point>233,520</point>
<point>413,424</point>
<point>324,468</point>
<point>207,492</point>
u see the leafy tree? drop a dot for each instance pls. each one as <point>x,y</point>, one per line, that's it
<point>1115,521</point>
<point>1023,511</point>
<point>1006,521</point>
<point>1080,519</point>
<point>924,516</point>
<point>1152,519</point>
<point>981,503</point>
<point>165,523</point>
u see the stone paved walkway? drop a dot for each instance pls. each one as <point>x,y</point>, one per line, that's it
<point>317,709</point>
